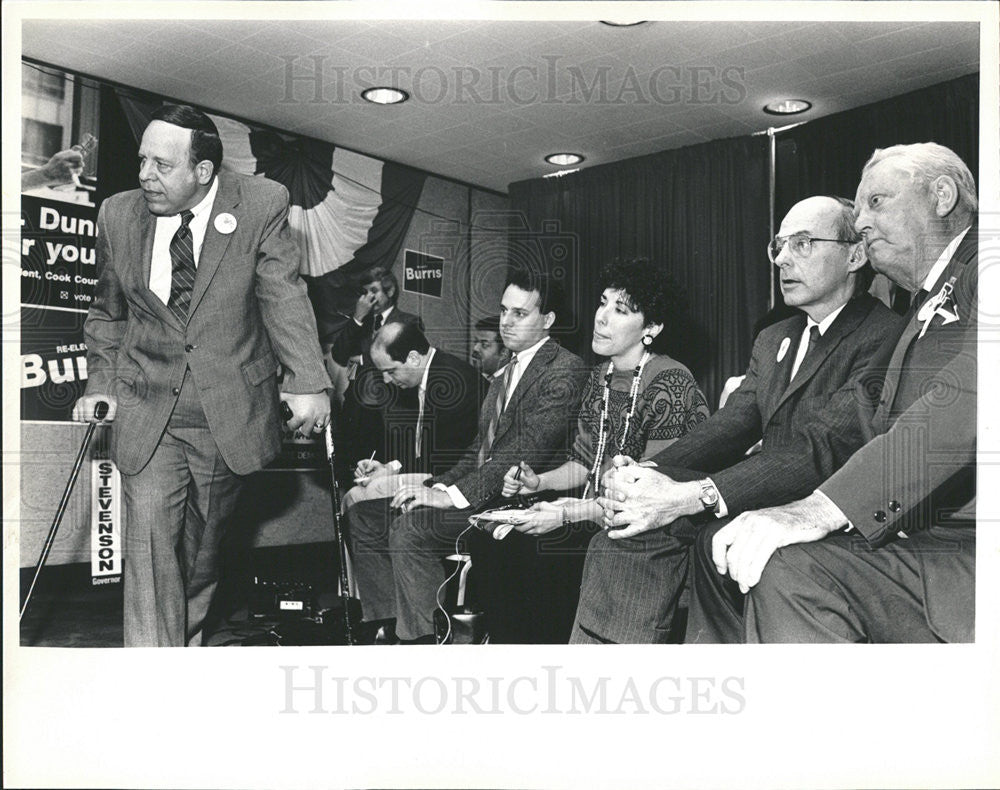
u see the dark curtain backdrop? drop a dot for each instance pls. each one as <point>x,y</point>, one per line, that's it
<point>825,156</point>
<point>703,212</point>
<point>671,208</point>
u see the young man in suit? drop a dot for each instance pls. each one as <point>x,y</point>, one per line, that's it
<point>432,411</point>
<point>802,371</point>
<point>529,413</point>
<point>198,301</point>
<point>884,550</point>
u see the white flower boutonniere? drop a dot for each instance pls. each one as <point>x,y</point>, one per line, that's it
<point>941,304</point>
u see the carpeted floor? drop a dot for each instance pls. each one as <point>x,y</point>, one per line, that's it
<point>66,610</point>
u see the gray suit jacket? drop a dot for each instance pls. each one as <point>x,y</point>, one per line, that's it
<point>249,311</point>
<point>537,425</point>
<point>808,427</point>
<point>924,425</point>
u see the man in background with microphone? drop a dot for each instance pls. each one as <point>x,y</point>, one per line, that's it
<point>198,302</point>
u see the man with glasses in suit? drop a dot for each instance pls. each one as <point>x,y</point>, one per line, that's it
<point>802,372</point>
<point>884,550</point>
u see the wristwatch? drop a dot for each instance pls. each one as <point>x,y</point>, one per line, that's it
<point>709,496</point>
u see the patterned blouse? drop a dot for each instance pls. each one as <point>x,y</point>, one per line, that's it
<point>670,404</point>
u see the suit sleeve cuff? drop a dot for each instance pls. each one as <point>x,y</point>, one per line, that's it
<point>834,505</point>
<point>457,497</point>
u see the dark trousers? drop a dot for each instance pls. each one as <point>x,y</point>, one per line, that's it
<point>715,614</point>
<point>840,589</point>
<point>398,561</point>
<point>529,586</point>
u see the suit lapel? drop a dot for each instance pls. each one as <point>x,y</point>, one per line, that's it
<point>776,378</point>
<point>894,371</point>
<point>214,246</point>
<point>845,323</point>
<point>542,357</point>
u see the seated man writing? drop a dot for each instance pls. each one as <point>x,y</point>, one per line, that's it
<point>528,414</point>
<point>431,411</point>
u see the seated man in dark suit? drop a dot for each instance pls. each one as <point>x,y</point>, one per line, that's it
<point>360,425</point>
<point>885,549</point>
<point>529,413</point>
<point>432,411</point>
<point>802,371</point>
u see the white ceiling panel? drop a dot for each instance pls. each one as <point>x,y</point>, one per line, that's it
<point>490,99</point>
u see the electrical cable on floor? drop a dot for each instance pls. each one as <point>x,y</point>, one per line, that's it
<point>437,595</point>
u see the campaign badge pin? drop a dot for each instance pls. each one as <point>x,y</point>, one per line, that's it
<point>225,223</point>
<point>783,348</point>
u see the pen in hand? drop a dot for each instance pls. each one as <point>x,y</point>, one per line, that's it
<point>522,500</point>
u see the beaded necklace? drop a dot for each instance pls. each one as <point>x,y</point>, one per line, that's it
<point>602,437</point>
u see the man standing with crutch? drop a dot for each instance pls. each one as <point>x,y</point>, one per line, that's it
<point>198,301</point>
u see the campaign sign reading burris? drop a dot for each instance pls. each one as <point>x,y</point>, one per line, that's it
<point>422,273</point>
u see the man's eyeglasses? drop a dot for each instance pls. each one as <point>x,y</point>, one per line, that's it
<point>800,245</point>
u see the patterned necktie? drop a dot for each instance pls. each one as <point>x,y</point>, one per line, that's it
<point>182,259</point>
<point>376,324</point>
<point>501,404</point>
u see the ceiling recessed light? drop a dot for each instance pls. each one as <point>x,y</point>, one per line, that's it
<point>787,107</point>
<point>613,23</point>
<point>564,159</point>
<point>383,95</point>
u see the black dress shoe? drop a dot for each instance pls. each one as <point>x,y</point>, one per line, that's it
<point>377,632</point>
<point>386,635</point>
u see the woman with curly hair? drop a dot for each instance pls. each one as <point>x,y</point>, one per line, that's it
<point>635,403</point>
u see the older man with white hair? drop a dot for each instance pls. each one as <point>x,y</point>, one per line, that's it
<point>884,550</point>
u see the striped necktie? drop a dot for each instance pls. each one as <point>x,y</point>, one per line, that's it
<point>501,403</point>
<point>182,260</point>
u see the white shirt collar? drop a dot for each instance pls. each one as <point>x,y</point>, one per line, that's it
<point>205,204</point>
<point>943,260</point>
<point>825,323</point>
<point>387,312</point>
<point>524,357</point>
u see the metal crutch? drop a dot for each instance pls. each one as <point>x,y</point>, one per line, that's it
<point>100,411</point>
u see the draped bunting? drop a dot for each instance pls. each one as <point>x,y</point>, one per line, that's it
<point>348,211</point>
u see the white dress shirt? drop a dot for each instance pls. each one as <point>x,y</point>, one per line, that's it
<point>942,262</point>
<point>421,397</point>
<point>522,360</point>
<point>161,268</point>
<point>721,511</point>
<point>804,338</point>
